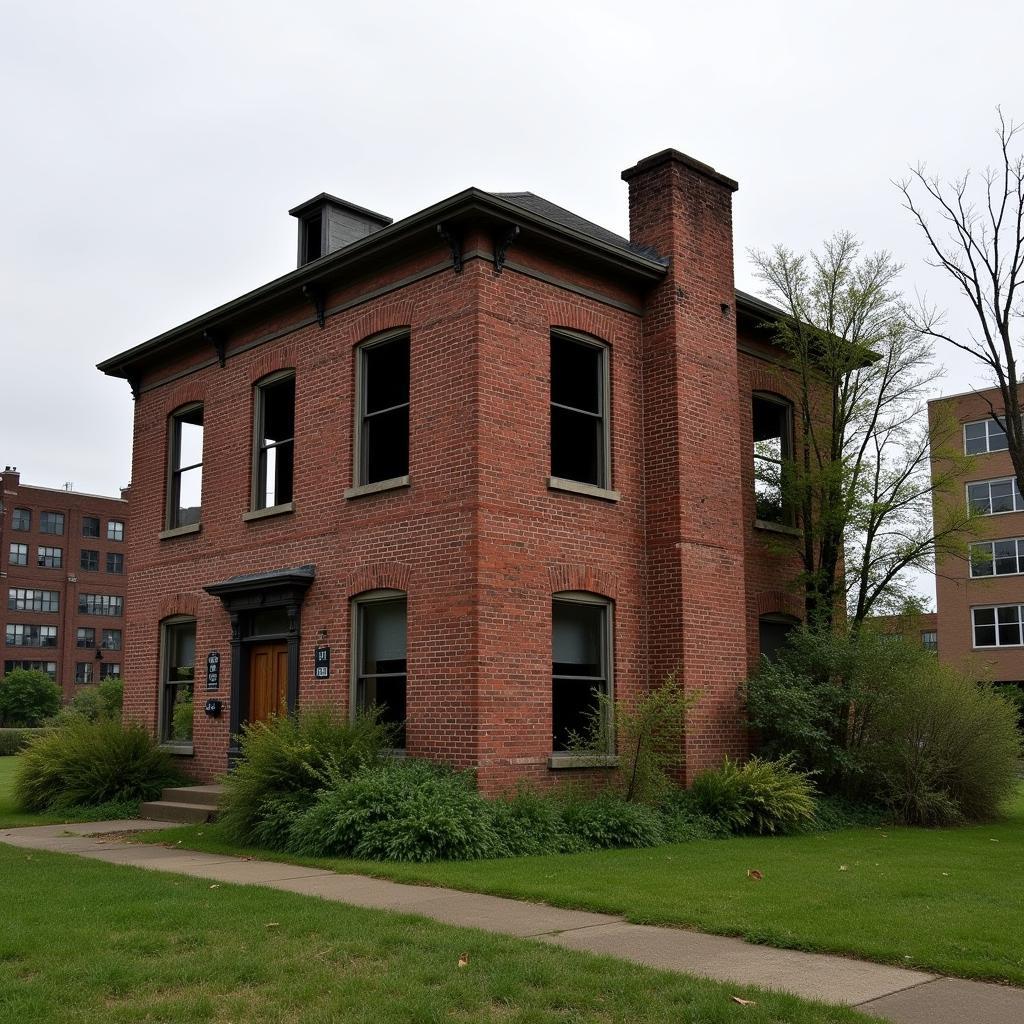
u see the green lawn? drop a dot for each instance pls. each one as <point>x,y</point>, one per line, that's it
<point>89,942</point>
<point>949,900</point>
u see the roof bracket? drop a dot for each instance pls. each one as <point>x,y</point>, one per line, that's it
<point>219,342</point>
<point>135,383</point>
<point>454,244</point>
<point>502,244</point>
<point>315,294</point>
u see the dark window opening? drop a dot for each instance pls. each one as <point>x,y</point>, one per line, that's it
<point>267,622</point>
<point>578,421</point>
<point>115,563</point>
<point>313,248</point>
<point>275,439</point>
<point>179,670</point>
<point>773,632</point>
<point>186,497</point>
<point>85,636</point>
<point>90,526</point>
<point>89,561</point>
<point>773,450</point>
<point>21,520</point>
<point>579,669</point>
<point>381,661</point>
<point>51,522</point>
<point>384,425</point>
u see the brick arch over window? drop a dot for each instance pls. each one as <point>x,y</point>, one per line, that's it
<point>779,602</point>
<point>272,360</point>
<point>570,577</point>
<point>768,382</point>
<point>381,318</point>
<point>178,604</point>
<point>579,318</point>
<point>177,396</point>
<point>379,576</point>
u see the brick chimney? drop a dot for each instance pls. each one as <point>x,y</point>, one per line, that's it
<point>682,209</point>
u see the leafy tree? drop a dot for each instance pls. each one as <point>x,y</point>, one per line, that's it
<point>27,697</point>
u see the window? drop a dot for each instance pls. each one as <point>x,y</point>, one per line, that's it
<point>51,522</point>
<point>21,635</point>
<point>21,519</point>
<point>773,450</point>
<point>580,659</point>
<point>90,526</point>
<point>312,238</point>
<point>579,401</point>
<point>110,670</point>
<point>997,558</point>
<point>100,604</point>
<point>275,442</point>
<point>19,554</point>
<point>998,626</point>
<point>49,667</point>
<point>185,493</point>
<point>89,560</point>
<point>21,600</point>
<point>115,530</point>
<point>178,674</point>
<point>115,563</point>
<point>382,426</point>
<point>84,672</point>
<point>50,558</point>
<point>85,636</point>
<point>984,436</point>
<point>773,631</point>
<point>930,640</point>
<point>111,639</point>
<point>380,662</point>
<point>992,497</point>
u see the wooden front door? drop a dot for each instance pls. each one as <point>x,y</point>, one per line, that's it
<point>268,681</point>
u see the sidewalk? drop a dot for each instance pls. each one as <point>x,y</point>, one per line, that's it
<point>902,996</point>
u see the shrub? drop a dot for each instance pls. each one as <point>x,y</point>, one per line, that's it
<point>284,762</point>
<point>27,697</point>
<point>684,822</point>
<point>718,794</point>
<point>528,824</point>
<point>111,696</point>
<point>86,763</point>
<point>13,741</point>
<point>608,821</point>
<point>1014,693</point>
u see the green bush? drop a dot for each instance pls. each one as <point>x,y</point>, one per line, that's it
<point>530,823</point>
<point>1014,693</point>
<point>13,741</point>
<point>111,696</point>
<point>718,794</point>
<point>284,762</point>
<point>27,697</point>
<point>607,821</point>
<point>86,763</point>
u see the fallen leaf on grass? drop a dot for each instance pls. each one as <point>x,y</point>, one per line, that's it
<point>744,1002</point>
<point>216,885</point>
<point>271,924</point>
<point>843,867</point>
<point>754,874</point>
<point>464,960</point>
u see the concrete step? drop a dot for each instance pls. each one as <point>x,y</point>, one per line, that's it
<point>173,810</point>
<point>204,796</point>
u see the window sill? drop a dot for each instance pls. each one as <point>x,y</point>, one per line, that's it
<point>179,531</point>
<point>557,483</point>
<point>266,513</point>
<point>790,531</point>
<point>583,761</point>
<point>179,749</point>
<point>394,484</point>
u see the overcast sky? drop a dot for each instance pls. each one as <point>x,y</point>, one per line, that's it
<point>151,151</point>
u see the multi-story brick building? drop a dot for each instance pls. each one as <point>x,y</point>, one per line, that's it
<point>980,599</point>
<point>472,466</point>
<point>63,564</point>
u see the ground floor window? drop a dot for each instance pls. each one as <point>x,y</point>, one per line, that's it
<point>580,667</point>
<point>380,662</point>
<point>772,633</point>
<point>178,657</point>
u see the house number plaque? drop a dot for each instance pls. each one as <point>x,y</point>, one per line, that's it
<point>213,670</point>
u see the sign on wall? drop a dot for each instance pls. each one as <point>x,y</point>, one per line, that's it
<point>213,670</point>
<point>322,663</point>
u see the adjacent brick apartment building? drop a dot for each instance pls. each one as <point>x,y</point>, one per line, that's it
<point>980,599</point>
<point>63,564</point>
<point>472,466</point>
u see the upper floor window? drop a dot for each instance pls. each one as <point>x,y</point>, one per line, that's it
<point>49,667</point>
<point>580,666</point>
<point>18,554</point>
<point>997,558</point>
<point>930,640</point>
<point>579,410</point>
<point>89,560</point>
<point>773,451</point>
<point>90,526</point>
<point>380,661</point>
<point>22,600</point>
<point>115,563</point>
<point>100,604</point>
<point>984,436</point>
<point>382,410</point>
<point>115,529</point>
<point>21,519</point>
<point>275,441</point>
<point>992,497</point>
<point>185,491</point>
<point>51,522</point>
<point>21,635</point>
<point>998,625</point>
<point>49,558</point>
<point>85,636</point>
<point>111,640</point>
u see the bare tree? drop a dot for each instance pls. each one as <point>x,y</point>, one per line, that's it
<point>860,478</point>
<point>976,234</point>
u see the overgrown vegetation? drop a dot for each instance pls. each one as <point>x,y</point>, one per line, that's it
<point>102,701</point>
<point>27,698</point>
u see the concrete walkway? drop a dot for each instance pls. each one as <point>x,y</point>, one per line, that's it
<point>902,996</point>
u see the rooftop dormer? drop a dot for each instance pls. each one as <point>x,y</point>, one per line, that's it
<point>327,223</point>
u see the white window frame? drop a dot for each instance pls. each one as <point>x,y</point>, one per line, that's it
<point>115,530</point>
<point>991,544</point>
<point>357,604</point>
<point>997,646</point>
<point>988,437</point>
<point>995,480</point>
<point>17,554</point>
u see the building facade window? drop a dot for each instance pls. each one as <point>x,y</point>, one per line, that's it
<point>25,635</point>
<point>581,682</point>
<point>274,456</point>
<point>21,519</point>
<point>580,446</point>
<point>984,436</point>
<point>185,484</point>
<point>90,526</point>
<point>380,621</point>
<point>110,670</point>
<point>997,558</point>
<point>100,604</point>
<point>773,452</point>
<point>115,563</point>
<point>930,640</point>
<point>85,636</point>
<point>111,640</point>
<point>49,667</point>
<point>993,497</point>
<point>85,672</point>
<point>382,410</point>
<point>18,554</point>
<point>998,625</point>
<point>772,633</point>
<point>20,599</point>
<point>51,522</point>
<point>49,558</point>
<point>115,530</point>
<point>89,561</point>
<point>178,672</point>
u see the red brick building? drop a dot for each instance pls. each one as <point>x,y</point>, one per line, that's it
<point>64,570</point>
<point>471,466</point>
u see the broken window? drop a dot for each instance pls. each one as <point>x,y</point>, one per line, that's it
<point>383,443</point>
<point>275,441</point>
<point>579,428</point>
<point>580,659</point>
<point>186,489</point>
<point>381,658</point>
<point>773,450</point>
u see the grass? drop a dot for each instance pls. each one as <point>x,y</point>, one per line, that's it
<point>11,817</point>
<point>947,900</point>
<point>139,946</point>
